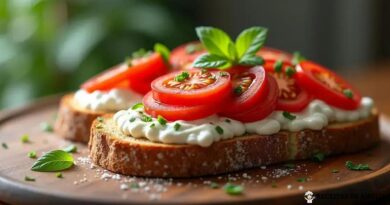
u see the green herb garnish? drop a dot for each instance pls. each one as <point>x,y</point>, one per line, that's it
<point>29,179</point>
<point>132,119</point>
<point>223,52</point>
<point>214,185</point>
<point>4,145</point>
<point>56,160</point>
<point>232,189</point>
<point>335,171</point>
<point>219,130</point>
<point>152,125</point>
<point>59,175</point>
<point>32,154</point>
<point>290,71</point>
<point>318,157</point>
<point>45,126</point>
<point>182,76</point>
<point>289,115</point>
<point>356,167</point>
<point>297,58</point>
<point>348,93</point>
<point>25,139</point>
<point>302,179</point>
<point>278,66</point>
<point>100,119</point>
<point>223,74</point>
<point>137,106</point>
<point>70,149</point>
<point>238,90</point>
<point>161,120</point>
<point>177,126</point>
<point>163,51</point>
<point>228,120</point>
<point>146,118</point>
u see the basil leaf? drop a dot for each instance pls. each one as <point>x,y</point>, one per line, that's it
<point>163,50</point>
<point>251,60</point>
<point>250,41</point>
<point>215,40</point>
<point>232,52</point>
<point>56,160</point>
<point>210,61</point>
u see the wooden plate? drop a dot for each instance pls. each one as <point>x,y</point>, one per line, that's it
<point>85,183</point>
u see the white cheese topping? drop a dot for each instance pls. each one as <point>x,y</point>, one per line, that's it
<point>204,132</point>
<point>107,101</point>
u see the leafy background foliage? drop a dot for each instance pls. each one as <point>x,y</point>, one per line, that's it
<point>50,46</point>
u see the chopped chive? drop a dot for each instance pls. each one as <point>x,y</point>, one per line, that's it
<point>348,93</point>
<point>70,149</point>
<point>232,189</point>
<point>146,118</point>
<point>238,90</point>
<point>4,145</point>
<point>319,157</point>
<point>45,126</point>
<point>182,76</point>
<point>132,119</point>
<point>335,171</point>
<point>228,120</point>
<point>219,130</point>
<point>177,126</point>
<point>99,127</point>
<point>290,71</point>
<point>289,115</point>
<point>29,179</point>
<point>161,120</point>
<point>59,175</point>
<point>152,125</point>
<point>32,154</point>
<point>278,66</point>
<point>25,139</point>
<point>214,185</point>
<point>289,165</point>
<point>302,179</point>
<point>356,167</point>
<point>137,106</point>
<point>100,119</point>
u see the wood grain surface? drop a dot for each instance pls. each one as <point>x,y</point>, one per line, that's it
<point>87,184</point>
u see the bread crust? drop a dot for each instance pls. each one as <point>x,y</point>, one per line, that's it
<point>73,122</point>
<point>112,150</point>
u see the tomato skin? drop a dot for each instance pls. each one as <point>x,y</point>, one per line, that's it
<point>145,68</point>
<point>306,74</point>
<point>255,93</point>
<point>141,87</point>
<point>177,112</point>
<point>181,59</point>
<point>274,54</point>
<point>264,108</point>
<point>213,93</point>
<point>288,86</point>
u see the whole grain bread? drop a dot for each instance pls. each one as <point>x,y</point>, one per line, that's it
<point>112,150</point>
<point>74,122</point>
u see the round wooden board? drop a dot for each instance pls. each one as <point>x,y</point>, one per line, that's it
<point>84,184</point>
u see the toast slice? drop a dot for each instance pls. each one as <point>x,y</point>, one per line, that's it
<point>112,150</point>
<point>74,122</point>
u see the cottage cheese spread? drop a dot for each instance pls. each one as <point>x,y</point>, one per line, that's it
<point>205,131</point>
<point>107,101</point>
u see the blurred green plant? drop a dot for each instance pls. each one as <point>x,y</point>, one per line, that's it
<point>50,46</point>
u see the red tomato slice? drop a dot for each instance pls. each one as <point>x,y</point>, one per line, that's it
<point>183,56</point>
<point>198,88</point>
<point>141,87</point>
<point>250,86</point>
<point>327,86</point>
<point>292,97</point>
<point>269,53</point>
<point>177,112</point>
<point>147,67</point>
<point>262,109</point>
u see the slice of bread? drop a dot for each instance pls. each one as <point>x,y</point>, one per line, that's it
<point>112,150</point>
<point>74,122</point>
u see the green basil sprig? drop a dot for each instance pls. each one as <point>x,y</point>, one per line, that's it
<point>223,52</point>
<point>56,160</point>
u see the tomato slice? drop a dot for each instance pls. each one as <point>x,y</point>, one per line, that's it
<point>269,53</point>
<point>177,112</point>
<point>292,97</point>
<point>262,109</point>
<point>150,66</point>
<point>250,87</point>
<point>196,88</point>
<point>183,56</point>
<point>327,86</point>
<point>140,86</point>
